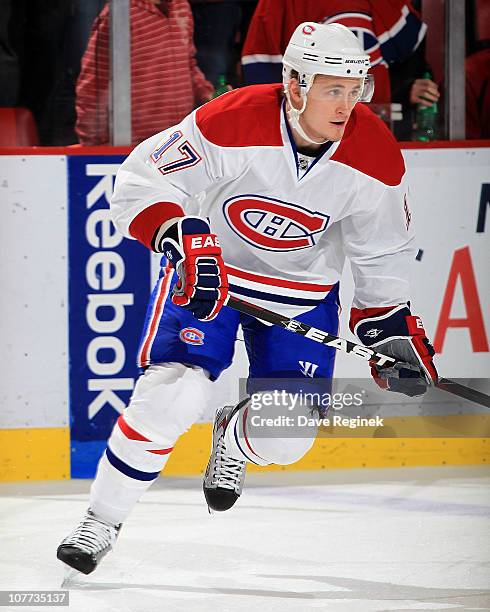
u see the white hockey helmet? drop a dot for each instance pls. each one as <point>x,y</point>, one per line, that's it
<point>333,49</point>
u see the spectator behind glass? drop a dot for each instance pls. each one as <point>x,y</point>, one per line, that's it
<point>47,39</point>
<point>477,67</point>
<point>9,61</point>
<point>220,27</point>
<point>390,31</point>
<point>410,88</point>
<point>166,83</point>
<point>478,94</point>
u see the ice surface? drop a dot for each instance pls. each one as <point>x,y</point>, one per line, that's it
<point>360,540</point>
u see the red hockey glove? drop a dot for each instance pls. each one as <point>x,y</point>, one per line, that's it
<point>395,332</point>
<point>195,254</point>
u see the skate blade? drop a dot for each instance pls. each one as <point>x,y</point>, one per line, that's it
<point>70,576</point>
<point>211,511</point>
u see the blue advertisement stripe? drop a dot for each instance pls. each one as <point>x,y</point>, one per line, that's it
<point>108,289</point>
<point>85,456</point>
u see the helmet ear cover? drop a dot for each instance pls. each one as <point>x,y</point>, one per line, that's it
<point>367,89</point>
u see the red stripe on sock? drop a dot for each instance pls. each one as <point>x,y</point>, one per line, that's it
<point>163,451</point>
<point>245,413</point>
<point>132,434</point>
<point>129,432</point>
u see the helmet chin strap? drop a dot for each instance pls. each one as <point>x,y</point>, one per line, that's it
<point>294,115</point>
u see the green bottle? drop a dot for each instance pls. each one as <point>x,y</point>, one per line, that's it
<point>222,86</point>
<point>426,119</point>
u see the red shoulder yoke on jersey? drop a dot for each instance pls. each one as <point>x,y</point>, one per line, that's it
<point>364,132</point>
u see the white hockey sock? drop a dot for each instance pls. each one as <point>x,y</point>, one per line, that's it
<point>238,445</point>
<point>113,494</point>
<point>266,445</point>
<point>166,401</point>
<point>128,467</point>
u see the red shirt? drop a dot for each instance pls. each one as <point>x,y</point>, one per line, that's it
<point>389,31</point>
<point>478,95</point>
<point>166,83</point>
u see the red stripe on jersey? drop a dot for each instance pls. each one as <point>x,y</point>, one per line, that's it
<point>155,319</point>
<point>277,282</point>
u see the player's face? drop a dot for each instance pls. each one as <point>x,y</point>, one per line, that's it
<point>330,103</point>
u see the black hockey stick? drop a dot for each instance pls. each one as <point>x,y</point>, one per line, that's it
<point>346,346</point>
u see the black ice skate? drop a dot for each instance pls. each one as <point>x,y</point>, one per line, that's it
<point>91,540</point>
<point>224,477</point>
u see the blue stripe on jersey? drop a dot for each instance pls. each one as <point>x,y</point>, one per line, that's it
<point>269,297</point>
<point>127,469</point>
<point>369,40</point>
<point>400,47</point>
<point>260,73</point>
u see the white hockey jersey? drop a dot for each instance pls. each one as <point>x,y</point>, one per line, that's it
<point>284,231</point>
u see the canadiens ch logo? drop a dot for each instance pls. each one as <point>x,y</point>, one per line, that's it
<point>273,225</point>
<point>308,29</point>
<point>191,335</point>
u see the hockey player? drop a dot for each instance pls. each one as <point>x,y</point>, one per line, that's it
<point>260,193</point>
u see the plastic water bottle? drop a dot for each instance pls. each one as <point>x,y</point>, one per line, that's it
<point>222,86</point>
<point>426,119</point>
